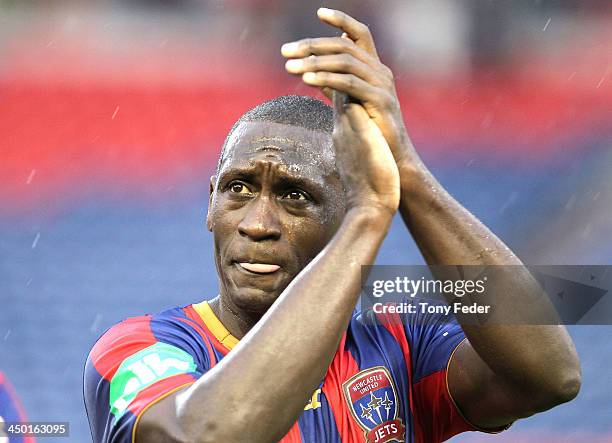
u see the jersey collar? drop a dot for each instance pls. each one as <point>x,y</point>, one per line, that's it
<point>214,325</point>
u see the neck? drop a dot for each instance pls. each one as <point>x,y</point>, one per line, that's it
<point>237,321</point>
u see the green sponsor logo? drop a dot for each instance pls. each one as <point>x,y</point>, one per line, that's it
<point>148,366</point>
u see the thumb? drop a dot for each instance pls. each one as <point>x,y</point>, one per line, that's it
<point>359,119</point>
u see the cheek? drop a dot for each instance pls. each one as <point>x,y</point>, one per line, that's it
<point>222,226</point>
<point>309,239</point>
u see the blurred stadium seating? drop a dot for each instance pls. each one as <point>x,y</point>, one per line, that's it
<point>112,115</point>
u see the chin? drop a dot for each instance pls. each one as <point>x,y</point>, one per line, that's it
<point>254,299</point>
<point>253,293</point>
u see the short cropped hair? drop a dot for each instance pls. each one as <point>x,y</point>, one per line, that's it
<point>295,110</point>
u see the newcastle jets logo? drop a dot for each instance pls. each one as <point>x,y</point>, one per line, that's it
<point>373,403</point>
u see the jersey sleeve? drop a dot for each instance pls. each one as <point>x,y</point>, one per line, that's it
<point>432,340</point>
<point>135,364</point>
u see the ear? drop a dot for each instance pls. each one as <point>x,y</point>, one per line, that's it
<point>213,180</point>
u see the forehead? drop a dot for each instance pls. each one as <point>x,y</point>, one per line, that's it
<point>301,151</point>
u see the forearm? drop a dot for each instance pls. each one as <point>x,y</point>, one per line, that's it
<point>447,234</point>
<point>279,363</point>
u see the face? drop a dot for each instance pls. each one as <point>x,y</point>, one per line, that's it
<point>275,203</point>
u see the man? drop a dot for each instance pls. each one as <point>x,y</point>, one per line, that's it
<point>279,354</point>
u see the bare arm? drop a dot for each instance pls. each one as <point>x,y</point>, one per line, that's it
<point>502,372</point>
<point>239,399</point>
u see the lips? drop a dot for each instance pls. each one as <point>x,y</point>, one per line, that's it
<point>259,268</point>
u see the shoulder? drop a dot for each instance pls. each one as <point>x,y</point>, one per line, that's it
<point>135,363</point>
<point>427,340</point>
<point>167,331</point>
<point>370,329</point>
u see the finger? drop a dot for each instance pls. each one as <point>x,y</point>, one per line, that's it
<point>357,31</point>
<point>340,63</point>
<point>326,46</point>
<point>349,84</point>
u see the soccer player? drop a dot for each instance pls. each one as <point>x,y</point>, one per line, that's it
<point>301,199</point>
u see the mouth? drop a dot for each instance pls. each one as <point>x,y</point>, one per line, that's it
<point>258,268</point>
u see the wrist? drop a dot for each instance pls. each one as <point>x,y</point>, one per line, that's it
<point>370,216</point>
<point>420,191</point>
<point>414,175</point>
<point>384,201</point>
<point>404,151</point>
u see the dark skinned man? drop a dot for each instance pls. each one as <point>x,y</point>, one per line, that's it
<point>295,212</point>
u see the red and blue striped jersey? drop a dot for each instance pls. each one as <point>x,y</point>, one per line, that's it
<point>387,381</point>
<point>11,411</point>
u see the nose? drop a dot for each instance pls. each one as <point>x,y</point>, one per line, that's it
<point>260,221</point>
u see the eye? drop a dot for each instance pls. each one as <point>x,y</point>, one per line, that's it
<point>238,188</point>
<point>295,194</point>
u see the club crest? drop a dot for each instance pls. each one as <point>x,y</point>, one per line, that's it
<point>373,403</point>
